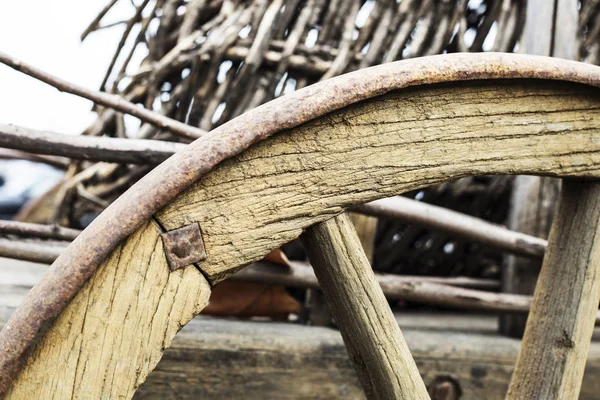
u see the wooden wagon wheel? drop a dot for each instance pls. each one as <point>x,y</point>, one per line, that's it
<point>98,322</point>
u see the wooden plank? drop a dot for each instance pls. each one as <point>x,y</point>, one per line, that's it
<point>408,139</point>
<point>114,332</point>
<point>565,302</point>
<point>213,359</point>
<point>378,351</point>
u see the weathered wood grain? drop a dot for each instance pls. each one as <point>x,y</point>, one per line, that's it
<point>109,338</point>
<point>378,351</point>
<point>265,197</point>
<point>561,321</point>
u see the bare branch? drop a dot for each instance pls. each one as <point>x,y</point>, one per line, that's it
<point>132,151</point>
<point>94,24</point>
<point>449,221</point>
<point>58,162</point>
<point>34,251</point>
<point>38,231</point>
<point>105,99</point>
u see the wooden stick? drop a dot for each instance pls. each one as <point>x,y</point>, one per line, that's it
<point>58,162</point>
<point>565,302</point>
<point>453,222</point>
<point>385,367</point>
<point>34,251</point>
<point>38,231</point>
<point>108,100</point>
<point>130,151</point>
<point>300,274</point>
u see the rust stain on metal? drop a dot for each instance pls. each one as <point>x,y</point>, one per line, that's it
<point>81,259</point>
<point>183,246</point>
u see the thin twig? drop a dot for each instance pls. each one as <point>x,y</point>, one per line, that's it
<point>94,24</point>
<point>105,99</point>
<point>34,251</point>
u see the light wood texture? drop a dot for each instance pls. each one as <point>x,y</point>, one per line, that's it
<point>114,332</point>
<point>378,351</point>
<point>263,198</point>
<point>561,320</point>
<point>366,227</point>
<point>566,24</point>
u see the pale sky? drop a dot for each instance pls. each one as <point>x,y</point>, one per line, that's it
<point>46,34</point>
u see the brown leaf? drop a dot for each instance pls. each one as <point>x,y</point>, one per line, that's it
<point>245,300</point>
<point>277,257</point>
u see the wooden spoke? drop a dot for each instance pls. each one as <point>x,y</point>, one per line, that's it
<point>379,353</point>
<point>561,321</point>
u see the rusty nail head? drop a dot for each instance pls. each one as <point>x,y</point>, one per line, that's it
<point>184,246</point>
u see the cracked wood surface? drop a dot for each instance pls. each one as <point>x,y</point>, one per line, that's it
<point>379,353</point>
<point>112,335</point>
<point>561,321</point>
<point>412,138</point>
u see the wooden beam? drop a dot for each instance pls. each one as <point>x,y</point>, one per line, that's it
<point>379,353</point>
<point>453,292</point>
<point>118,150</point>
<point>560,325</point>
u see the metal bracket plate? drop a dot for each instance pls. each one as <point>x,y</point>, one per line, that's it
<point>184,246</point>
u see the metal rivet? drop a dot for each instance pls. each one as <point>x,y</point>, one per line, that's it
<point>184,246</point>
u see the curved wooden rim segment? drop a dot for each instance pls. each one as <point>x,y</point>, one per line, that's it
<point>77,264</point>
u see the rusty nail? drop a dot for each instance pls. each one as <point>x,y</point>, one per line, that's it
<point>184,246</point>
<point>445,388</point>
